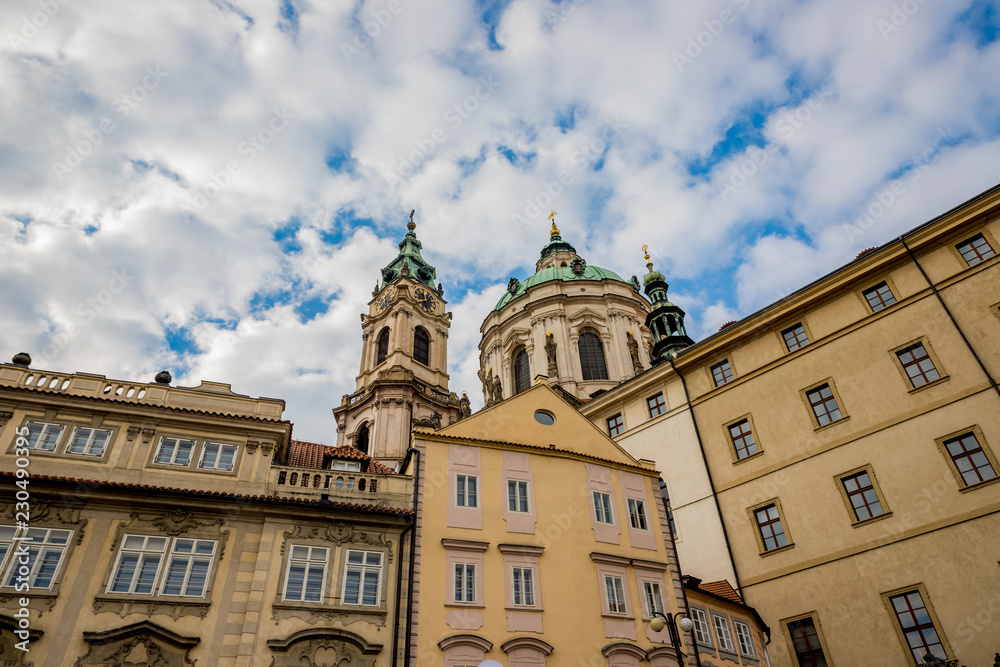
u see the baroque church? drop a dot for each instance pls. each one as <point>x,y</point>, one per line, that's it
<point>811,485</point>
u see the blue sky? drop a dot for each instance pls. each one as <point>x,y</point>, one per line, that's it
<point>212,186</point>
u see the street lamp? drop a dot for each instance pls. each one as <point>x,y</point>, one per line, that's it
<point>659,621</point>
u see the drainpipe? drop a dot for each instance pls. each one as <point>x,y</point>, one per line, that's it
<point>708,471</point>
<point>413,554</point>
<point>399,591</point>
<point>961,333</point>
<point>680,576</point>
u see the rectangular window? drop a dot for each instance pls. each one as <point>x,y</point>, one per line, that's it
<point>722,633</point>
<point>769,524</point>
<point>174,451</point>
<point>349,466</point>
<point>654,600</point>
<point>524,586</point>
<point>862,496</point>
<point>637,514</point>
<point>615,589</point>
<point>615,425</point>
<point>879,297</point>
<point>795,337</point>
<point>362,578</point>
<point>466,494</point>
<point>722,373</point>
<point>44,436</point>
<point>602,508</point>
<point>465,582</point>
<point>824,404</point>
<point>88,441</point>
<point>970,459</point>
<point>306,574</point>
<point>744,639</point>
<point>701,631</point>
<point>917,625</point>
<point>657,406</point>
<point>218,457</point>
<point>743,440</point>
<point>189,564</point>
<point>138,564</point>
<point>805,641</point>
<point>38,565</point>
<point>975,250</point>
<point>918,365</point>
<point>517,496</point>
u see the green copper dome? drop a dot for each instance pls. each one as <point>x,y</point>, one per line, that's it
<point>409,256</point>
<point>565,273</point>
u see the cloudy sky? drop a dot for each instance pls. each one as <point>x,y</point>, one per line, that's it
<point>210,186</point>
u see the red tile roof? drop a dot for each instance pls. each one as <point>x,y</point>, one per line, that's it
<point>97,483</point>
<point>721,589</point>
<point>303,454</point>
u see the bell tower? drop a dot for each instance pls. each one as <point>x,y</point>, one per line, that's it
<point>403,380</point>
<point>665,320</point>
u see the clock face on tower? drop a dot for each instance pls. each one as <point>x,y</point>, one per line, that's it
<point>425,300</point>
<point>384,300</point>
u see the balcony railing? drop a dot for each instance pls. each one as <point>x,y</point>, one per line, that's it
<point>341,486</point>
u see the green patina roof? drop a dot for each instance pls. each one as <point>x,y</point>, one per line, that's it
<point>409,253</point>
<point>564,273</point>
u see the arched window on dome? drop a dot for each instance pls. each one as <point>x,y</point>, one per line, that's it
<point>361,439</point>
<point>421,346</point>
<point>592,357</point>
<point>522,371</point>
<point>382,349</point>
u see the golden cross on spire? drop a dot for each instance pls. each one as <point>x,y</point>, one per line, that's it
<point>411,225</point>
<point>552,217</point>
<point>645,249</point>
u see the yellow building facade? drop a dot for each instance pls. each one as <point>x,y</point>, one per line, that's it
<point>848,439</point>
<point>541,542</point>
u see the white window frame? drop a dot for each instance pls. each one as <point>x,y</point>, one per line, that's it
<point>214,465</point>
<point>465,584</point>
<point>311,559</point>
<point>463,492</point>
<point>88,443</point>
<point>725,637</point>
<point>603,510</point>
<point>614,591</point>
<point>173,455</point>
<point>652,593</point>
<point>637,508</point>
<point>348,466</point>
<point>33,444</point>
<point>362,569</point>
<point>38,542</point>
<point>187,560</point>
<point>702,629</point>
<point>167,555</point>
<point>744,636</point>
<point>518,493</point>
<point>525,576</point>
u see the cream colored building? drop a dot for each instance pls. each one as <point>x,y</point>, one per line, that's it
<point>848,435</point>
<point>541,542</point>
<point>144,523</point>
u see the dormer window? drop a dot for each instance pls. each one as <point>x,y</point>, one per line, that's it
<point>350,466</point>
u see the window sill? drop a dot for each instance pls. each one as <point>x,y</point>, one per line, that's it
<point>759,453</point>
<point>978,485</point>
<point>145,604</point>
<point>191,468</point>
<point>826,426</point>
<point>464,605</point>
<point>788,546</point>
<point>914,390</point>
<point>618,617</point>
<point>532,610</point>
<point>314,612</point>
<point>865,522</point>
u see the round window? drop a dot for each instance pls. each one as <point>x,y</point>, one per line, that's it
<point>545,417</point>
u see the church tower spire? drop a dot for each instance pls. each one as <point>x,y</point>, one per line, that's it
<point>403,379</point>
<point>665,320</point>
